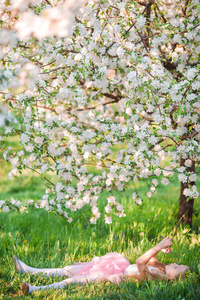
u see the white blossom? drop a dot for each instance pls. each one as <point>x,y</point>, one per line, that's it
<point>155,181</point>
<point>188,163</point>
<point>5,208</point>
<point>134,195</point>
<point>44,168</point>
<point>193,177</point>
<point>182,178</point>
<point>157,172</point>
<point>93,220</point>
<point>141,20</point>
<point>190,74</point>
<point>8,37</point>
<point>165,181</point>
<point>25,138</point>
<point>111,199</point>
<point>119,207</point>
<point>138,201</point>
<point>59,186</point>
<point>108,220</point>
<point>120,52</point>
<point>108,209</point>
<point>2,202</point>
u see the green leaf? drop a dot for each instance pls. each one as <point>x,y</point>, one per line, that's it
<point>10,104</point>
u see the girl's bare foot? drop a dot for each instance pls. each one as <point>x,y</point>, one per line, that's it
<point>25,288</point>
<point>18,265</point>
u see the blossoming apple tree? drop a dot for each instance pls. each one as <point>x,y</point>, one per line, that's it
<point>114,86</point>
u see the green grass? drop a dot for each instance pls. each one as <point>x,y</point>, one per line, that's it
<point>43,239</point>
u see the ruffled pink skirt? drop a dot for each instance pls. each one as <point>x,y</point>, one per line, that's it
<point>109,267</point>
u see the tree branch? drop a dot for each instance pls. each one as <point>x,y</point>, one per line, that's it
<point>185,8</point>
<point>189,136</point>
<point>48,2</point>
<point>160,141</point>
<point>40,175</point>
<point>148,5</point>
<point>162,15</point>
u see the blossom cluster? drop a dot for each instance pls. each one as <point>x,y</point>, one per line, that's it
<point>105,99</point>
<point>13,204</point>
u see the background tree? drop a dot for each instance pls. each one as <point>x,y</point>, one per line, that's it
<point>116,88</point>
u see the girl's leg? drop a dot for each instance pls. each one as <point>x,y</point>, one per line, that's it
<point>23,268</point>
<point>27,288</point>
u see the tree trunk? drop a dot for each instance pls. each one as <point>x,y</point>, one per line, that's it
<point>186,205</point>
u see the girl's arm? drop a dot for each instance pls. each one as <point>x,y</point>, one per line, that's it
<point>154,258</point>
<point>143,259</point>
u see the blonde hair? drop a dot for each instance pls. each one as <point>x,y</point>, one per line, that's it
<point>157,264</point>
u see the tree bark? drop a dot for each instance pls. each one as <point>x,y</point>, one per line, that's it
<point>186,205</point>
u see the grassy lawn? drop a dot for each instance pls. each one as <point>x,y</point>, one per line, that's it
<point>42,239</point>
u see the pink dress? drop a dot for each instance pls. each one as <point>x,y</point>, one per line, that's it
<point>109,267</point>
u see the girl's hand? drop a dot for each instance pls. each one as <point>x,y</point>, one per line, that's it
<point>165,244</point>
<point>167,250</point>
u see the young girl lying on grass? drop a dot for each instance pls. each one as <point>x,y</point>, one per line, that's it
<point>112,267</point>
